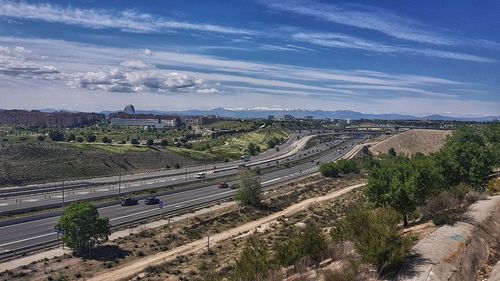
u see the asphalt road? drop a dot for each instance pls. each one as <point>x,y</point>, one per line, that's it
<point>35,232</point>
<point>53,199</point>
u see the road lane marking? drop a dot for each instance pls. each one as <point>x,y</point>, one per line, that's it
<point>266,182</point>
<point>26,239</point>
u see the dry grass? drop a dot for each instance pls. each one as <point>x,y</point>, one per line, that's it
<point>413,141</point>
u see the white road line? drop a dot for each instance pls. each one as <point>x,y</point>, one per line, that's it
<point>27,239</point>
<point>272,180</point>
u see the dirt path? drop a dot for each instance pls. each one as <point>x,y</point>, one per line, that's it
<point>132,269</point>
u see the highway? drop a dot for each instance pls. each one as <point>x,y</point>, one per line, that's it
<point>54,199</point>
<point>39,231</point>
<point>294,143</point>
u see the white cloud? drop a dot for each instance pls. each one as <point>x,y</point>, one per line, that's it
<point>136,64</point>
<point>335,40</point>
<point>15,62</point>
<point>128,20</point>
<point>115,80</point>
<point>148,52</point>
<point>207,91</point>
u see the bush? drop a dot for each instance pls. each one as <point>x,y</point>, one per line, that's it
<point>254,262</point>
<point>376,236</point>
<point>164,142</point>
<point>329,169</point>
<point>91,138</point>
<point>347,166</point>
<point>71,137</point>
<point>79,139</point>
<point>149,142</point>
<point>308,243</point>
<point>249,193</point>
<point>445,208</point>
<point>56,135</point>
<point>135,141</point>
<point>105,139</point>
<point>177,166</point>
<point>40,138</point>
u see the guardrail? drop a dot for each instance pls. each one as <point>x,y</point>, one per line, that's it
<point>19,252</point>
<point>22,251</point>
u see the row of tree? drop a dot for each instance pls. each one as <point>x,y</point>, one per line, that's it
<point>333,169</point>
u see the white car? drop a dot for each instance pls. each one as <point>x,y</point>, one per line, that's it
<point>200,176</point>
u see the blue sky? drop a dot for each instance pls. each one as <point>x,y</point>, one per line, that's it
<point>417,57</point>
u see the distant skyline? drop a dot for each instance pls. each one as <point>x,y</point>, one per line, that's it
<point>407,57</point>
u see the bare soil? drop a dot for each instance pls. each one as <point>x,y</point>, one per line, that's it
<point>413,141</point>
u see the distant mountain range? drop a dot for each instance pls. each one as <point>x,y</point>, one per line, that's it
<point>300,113</point>
<point>321,114</point>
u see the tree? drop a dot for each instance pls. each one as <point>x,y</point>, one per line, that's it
<point>91,138</point>
<point>347,166</point>
<point>40,138</point>
<point>83,228</point>
<point>105,139</point>
<point>249,193</point>
<point>251,149</point>
<point>254,261</point>
<point>164,142</point>
<point>402,183</point>
<point>392,152</point>
<point>468,157</point>
<point>79,139</point>
<point>56,135</point>
<point>376,235</point>
<point>329,169</point>
<point>71,137</point>
<point>150,142</point>
<point>134,142</point>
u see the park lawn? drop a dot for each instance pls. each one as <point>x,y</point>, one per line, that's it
<point>193,154</point>
<point>112,148</point>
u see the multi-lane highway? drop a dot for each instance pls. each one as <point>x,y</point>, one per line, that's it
<point>39,231</point>
<point>54,198</point>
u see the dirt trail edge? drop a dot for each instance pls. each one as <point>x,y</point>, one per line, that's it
<point>136,267</point>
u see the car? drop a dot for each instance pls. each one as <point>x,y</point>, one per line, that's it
<point>234,186</point>
<point>151,201</point>
<point>223,185</point>
<point>128,201</point>
<point>200,175</point>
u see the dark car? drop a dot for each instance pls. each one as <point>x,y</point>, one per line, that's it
<point>235,186</point>
<point>128,201</point>
<point>223,185</point>
<point>151,201</point>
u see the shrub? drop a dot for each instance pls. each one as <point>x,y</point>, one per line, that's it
<point>149,142</point>
<point>105,139</point>
<point>254,262</point>
<point>135,141</point>
<point>347,166</point>
<point>79,139</point>
<point>40,138</point>
<point>308,243</point>
<point>249,193</point>
<point>71,137</point>
<point>91,138</point>
<point>56,135</point>
<point>177,166</point>
<point>164,142</point>
<point>329,169</point>
<point>376,236</point>
<point>444,208</point>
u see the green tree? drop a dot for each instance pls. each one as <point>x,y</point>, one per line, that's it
<point>468,157</point>
<point>150,142</point>
<point>83,228</point>
<point>91,138</point>
<point>402,183</point>
<point>376,235</point>
<point>249,193</point>
<point>40,138</point>
<point>254,261</point>
<point>79,139</point>
<point>329,169</point>
<point>392,152</point>
<point>347,166</point>
<point>105,139</point>
<point>251,149</point>
<point>56,135</point>
<point>71,137</point>
<point>164,142</point>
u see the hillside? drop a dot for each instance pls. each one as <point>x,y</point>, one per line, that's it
<point>413,141</point>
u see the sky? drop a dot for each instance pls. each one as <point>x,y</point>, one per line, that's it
<point>413,57</point>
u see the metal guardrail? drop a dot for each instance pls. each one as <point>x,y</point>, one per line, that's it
<point>22,251</point>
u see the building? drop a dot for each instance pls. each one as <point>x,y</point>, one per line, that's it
<point>288,117</point>
<point>129,109</point>
<point>58,118</point>
<point>309,117</point>
<point>158,123</point>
